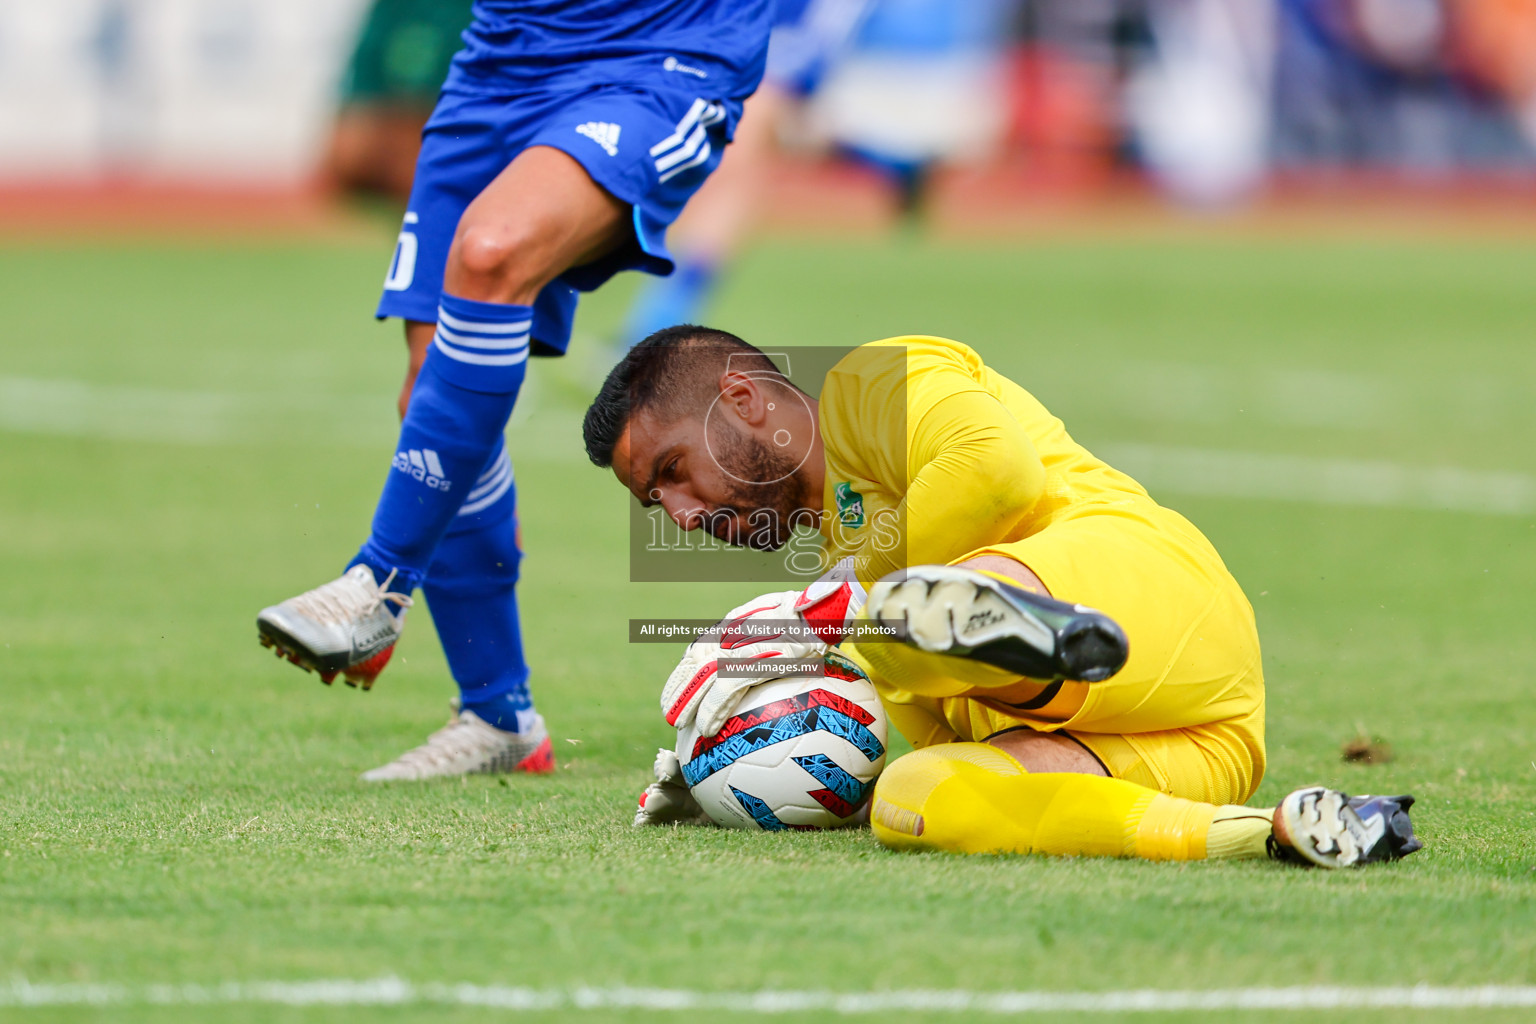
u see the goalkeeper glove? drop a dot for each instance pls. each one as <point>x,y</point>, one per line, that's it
<point>786,625</point>
<point>667,800</point>
<point>697,694</point>
<point>831,603</point>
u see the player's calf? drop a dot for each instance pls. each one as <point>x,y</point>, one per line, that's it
<point>961,612</point>
<point>346,627</point>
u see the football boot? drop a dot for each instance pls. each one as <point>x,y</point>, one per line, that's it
<point>947,610</point>
<point>1329,829</point>
<point>469,745</point>
<point>344,627</point>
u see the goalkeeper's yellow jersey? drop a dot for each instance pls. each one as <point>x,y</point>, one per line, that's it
<point>932,457</point>
<point>931,454</point>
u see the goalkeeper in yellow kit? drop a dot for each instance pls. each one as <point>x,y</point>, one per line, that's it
<point>1079,671</point>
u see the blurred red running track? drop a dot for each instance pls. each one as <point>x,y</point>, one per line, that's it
<point>821,198</point>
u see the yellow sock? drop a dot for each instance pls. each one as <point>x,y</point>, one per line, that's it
<point>973,798</point>
<point>1239,833</point>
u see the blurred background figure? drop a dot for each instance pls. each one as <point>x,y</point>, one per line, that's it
<point>1212,99</point>
<point>923,85</point>
<point>1425,86</point>
<point>389,89</point>
<point>1198,102</point>
<point>1495,45</point>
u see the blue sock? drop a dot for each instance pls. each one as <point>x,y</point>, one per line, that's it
<point>667,301</point>
<point>471,589</point>
<point>458,412</point>
<point>509,712</point>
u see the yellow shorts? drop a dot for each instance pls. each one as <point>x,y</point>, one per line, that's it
<point>1186,714</point>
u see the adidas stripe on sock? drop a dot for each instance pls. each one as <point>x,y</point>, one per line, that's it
<point>490,487</point>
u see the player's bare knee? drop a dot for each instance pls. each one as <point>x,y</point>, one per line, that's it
<point>495,263</point>
<point>1001,565</point>
<point>1047,751</point>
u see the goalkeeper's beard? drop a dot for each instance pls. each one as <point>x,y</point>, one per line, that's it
<point>757,515</point>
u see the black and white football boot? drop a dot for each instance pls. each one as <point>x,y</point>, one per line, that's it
<point>947,610</point>
<point>1328,829</point>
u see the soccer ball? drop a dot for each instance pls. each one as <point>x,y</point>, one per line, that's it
<point>801,752</point>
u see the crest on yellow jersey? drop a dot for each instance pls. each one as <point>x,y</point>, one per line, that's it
<point>850,504</point>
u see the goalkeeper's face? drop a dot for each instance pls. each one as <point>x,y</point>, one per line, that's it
<point>732,478</point>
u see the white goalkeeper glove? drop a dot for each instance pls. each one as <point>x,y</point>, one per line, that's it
<point>667,800</point>
<point>766,627</point>
<point>785,625</point>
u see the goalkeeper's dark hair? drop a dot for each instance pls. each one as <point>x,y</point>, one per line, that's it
<point>672,373</point>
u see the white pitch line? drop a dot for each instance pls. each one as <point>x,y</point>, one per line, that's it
<point>116,412</point>
<point>395,992</point>
<point>76,408</point>
<point>1322,481</point>
<point>1212,395</point>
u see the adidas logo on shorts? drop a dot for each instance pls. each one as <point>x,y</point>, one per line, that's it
<point>423,465</point>
<point>602,133</point>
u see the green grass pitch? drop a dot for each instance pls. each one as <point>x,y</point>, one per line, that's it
<point>188,433</point>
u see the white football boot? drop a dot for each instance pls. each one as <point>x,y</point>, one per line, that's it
<point>469,745</point>
<point>967,614</point>
<point>345,627</point>
<point>1328,829</point>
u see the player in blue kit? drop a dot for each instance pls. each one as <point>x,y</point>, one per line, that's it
<point>568,136</point>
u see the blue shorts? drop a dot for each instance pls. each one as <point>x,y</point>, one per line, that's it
<point>649,148</point>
